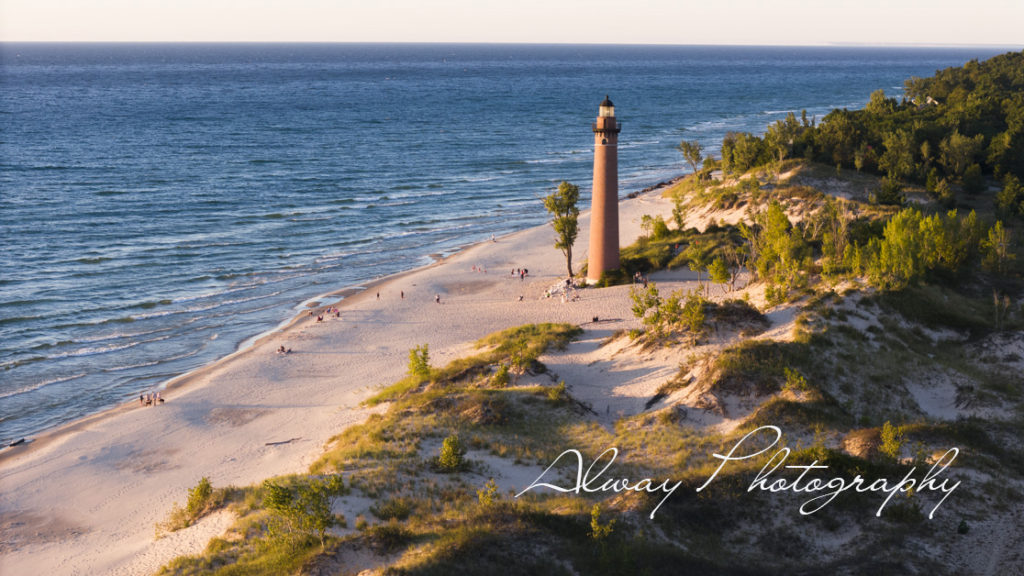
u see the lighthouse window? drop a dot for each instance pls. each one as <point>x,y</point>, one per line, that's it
<point>604,140</point>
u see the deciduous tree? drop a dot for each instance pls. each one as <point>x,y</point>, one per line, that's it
<point>564,218</point>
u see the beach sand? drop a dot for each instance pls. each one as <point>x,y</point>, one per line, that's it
<point>85,499</point>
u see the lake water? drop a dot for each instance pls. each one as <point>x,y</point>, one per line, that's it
<point>160,204</point>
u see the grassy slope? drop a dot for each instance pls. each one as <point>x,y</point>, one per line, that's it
<point>863,356</point>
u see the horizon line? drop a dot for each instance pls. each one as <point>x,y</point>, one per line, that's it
<point>485,43</point>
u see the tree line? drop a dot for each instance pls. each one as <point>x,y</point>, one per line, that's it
<point>954,129</point>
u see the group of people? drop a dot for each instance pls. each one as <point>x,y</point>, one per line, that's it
<point>327,312</point>
<point>522,272</point>
<point>150,399</point>
<point>282,350</point>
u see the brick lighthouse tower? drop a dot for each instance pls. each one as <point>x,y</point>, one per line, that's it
<point>604,203</point>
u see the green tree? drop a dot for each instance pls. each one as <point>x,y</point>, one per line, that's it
<point>488,495</point>
<point>957,152</point>
<point>838,137</point>
<point>452,454</point>
<point>892,440</point>
<point>741,152</point>
<point>897,258</point>
<point>996,249</point>
<point>600,532</point>
<point>303,509</point>
<point>564,218</point>
<point>693,315</point>
<point>500,379</point>
<point>834,222</point>
<point>692,152</point>
<point>698,257</point>
<point>646,304</point>
<point>779,247</point>
<point>679,209</point>
<point>782,135</point>
<point>879,104</point>
<point>646,225</point>
<point>898,158</point>
<point>659,229</point>
<point>973,181</point>
<point>199,498</point>
<point>419,362</point>
<point>1010,200</point>
<point>719,272</point>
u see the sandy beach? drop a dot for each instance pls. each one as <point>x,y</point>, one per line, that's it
<point>84,499</point>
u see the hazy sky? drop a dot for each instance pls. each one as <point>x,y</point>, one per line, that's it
<point>791,22</point>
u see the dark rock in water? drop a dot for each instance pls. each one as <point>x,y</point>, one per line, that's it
<point>17,442</point>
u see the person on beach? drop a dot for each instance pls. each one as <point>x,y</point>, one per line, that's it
<point>378,295</point>
<point>141,401</point>
<point>437,298</point>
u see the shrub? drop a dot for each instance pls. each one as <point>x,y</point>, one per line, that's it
<point>557,394</point>
<point>973,181</point>
<point>795,381</point>
<point>202,499</point>
<point>299,510</point>
<point>600,532</point>
<point>892,440</point>
<point>488,495</point>
<point>889,192</point>
<point>659,229</point>
<point>500,379</point>
<point>419,362</point>
<point>452,454</point>
<point>199,498</point>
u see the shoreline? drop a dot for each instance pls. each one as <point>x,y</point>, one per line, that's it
<point>336,298</point>
<point>180,382</point>
<point>85,496</point>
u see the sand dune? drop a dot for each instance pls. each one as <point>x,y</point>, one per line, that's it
<point>85,499</point>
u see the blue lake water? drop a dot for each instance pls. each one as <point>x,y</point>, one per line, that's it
<point>162,203</point>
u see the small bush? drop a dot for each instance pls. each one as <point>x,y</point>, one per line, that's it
<point>202,499</point>
<point>488,495</point>
<point>452,454</point>
<point>557,394</point>
<point>795,381</point>
<point>500,379</point>
<point>892,440</point>
<point>889,193</point>
<point>299,510</point>
<point>419,362</point>
<point>199,498</point>
<point>600,532</point>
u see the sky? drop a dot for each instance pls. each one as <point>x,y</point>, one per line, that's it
<point>749,22</point>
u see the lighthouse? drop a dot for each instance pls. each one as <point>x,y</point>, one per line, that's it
<point>604,201</point>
